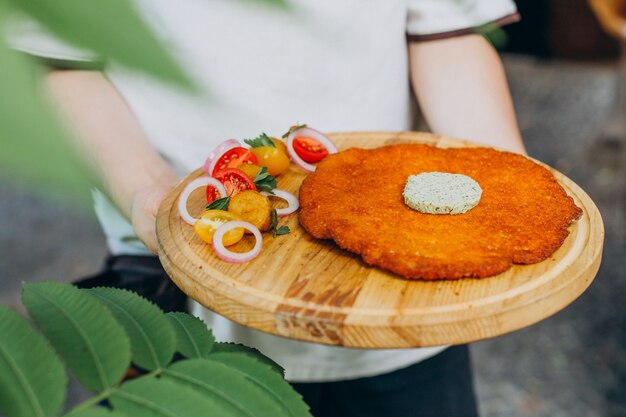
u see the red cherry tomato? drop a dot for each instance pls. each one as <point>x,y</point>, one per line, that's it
<point>234,181</point>
<point>309,149</point>
<point>234,157</point>
<point>212,194</point>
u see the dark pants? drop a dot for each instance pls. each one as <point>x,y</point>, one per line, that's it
<point>141,274</point>
<point>440,386</point>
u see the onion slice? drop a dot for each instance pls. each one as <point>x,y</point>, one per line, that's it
<point>215,154</point>
<point>197,183</point>
<point>291,199</point>
<point>312,133</point>
<point>235,257</point>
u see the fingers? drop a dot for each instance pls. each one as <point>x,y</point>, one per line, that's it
<point>146,231</point>
<point>144,211</point>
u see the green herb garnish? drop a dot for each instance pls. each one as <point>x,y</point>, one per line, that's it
<point>282,230</point>
<point>261,140</point>
<point>293,129</point>
<point>219,204</point>
<point>264,181</point>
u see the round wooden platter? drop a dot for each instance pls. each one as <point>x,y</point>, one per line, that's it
<point>308,289</point>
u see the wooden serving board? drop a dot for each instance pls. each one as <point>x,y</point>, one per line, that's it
<point>308,289</point>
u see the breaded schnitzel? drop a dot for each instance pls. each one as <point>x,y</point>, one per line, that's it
<point>355,198</point>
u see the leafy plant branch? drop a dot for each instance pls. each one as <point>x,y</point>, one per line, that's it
<point>100,333</point>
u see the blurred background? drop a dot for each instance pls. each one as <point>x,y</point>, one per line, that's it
<point>566,77</point>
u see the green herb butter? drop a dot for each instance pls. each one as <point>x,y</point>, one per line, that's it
<point>441,193</point>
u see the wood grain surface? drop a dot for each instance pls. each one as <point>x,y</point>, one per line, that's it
<point>307,289</point>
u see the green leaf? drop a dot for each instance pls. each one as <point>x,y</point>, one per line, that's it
<point>149,397</point>
<point>219,204</point>
<point>152,338</point>
<point>95,412</point>
<point>277,231</point>
<point>267,379</point>
<point>35,151</point>
<point>274,224</point>
<point>292,129</point>
<point>264,181</point>
<point>262,174</point>
<point>282,230</point>
<point>193,338</point>
<point>32,379</point>
<point>261,140</point>
<point>82,330</point>
<point>89,25</point>
<point>225,385</point>
<point>219,347</point>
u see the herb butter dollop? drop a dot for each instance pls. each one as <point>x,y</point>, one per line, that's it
<point>441,193</point>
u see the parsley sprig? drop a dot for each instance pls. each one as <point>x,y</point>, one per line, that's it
<point>282,230</point>
<point>219,204</point>
<point>261,140</point>
<point>293,129</point>
<point>264,181</point>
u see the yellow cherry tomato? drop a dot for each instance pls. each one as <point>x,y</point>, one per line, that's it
<point>280,145</point>
<point>253,207</point>
<point>251,170</point>
<point>273,158</point>
<point>210,220</point>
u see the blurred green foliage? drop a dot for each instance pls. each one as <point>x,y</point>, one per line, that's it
<point>34,151</point>
<point>492,32</point>
<point>495,35</point>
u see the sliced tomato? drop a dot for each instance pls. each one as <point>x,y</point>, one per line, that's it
<point>234,157</point>
<point>210,220</point>
<point>234,181</point>
<point>309,149</point>
<point>212,194</point>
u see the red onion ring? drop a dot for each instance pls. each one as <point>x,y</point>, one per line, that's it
<point>312,133</point>
<point>216,153</point>
<point>294,204</point>
<point>189,188</point>
<point>235,257</point>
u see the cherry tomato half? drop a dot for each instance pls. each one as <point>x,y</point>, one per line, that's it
<point>210,220</point>
<point>212,194</point>
<point>234,157</point>
<point>234,181</point>
<point>309,149</point>
<point>273,158</point>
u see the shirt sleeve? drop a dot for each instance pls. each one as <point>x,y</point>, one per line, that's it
<point>27,36</point>
<point>438,19</point>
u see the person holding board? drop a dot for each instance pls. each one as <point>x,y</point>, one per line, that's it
<point>338,65</point>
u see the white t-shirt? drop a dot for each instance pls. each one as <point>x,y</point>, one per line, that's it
<point>337,65</point>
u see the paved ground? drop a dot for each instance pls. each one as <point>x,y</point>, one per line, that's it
<point>573,364</point>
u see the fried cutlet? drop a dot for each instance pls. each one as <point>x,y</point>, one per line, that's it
<point>355,198</point>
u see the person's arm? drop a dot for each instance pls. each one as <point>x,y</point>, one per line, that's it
<point>462,90</point>
<point>112,144</point>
